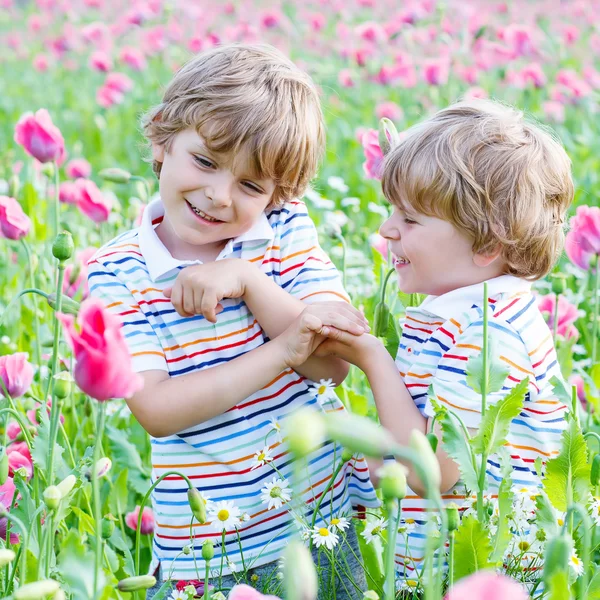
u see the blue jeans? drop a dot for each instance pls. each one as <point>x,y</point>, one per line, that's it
<point>347,578</point>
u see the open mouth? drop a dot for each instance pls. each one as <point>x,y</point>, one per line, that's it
<point>202,215</point>
<point>399,261</point>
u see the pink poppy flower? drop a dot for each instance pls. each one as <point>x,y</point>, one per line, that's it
<point>487,585</point>
<point>92,202</point>
<point>373,154</point>
<point>14,223</point>
<point>147,527</point>
<point>567,315</point>
<point>78,167</point>
<point>583,239</point>
<point>17,374</point>
<point>39,137</point>
<point>242,591</point>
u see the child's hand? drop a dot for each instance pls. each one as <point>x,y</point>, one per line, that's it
<point>356,350</point>
<point>334,320</point>
<point>199,289</point>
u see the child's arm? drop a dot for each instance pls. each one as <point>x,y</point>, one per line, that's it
<point>167,405</point>
<point>200,288</point>
<point>397,411</point>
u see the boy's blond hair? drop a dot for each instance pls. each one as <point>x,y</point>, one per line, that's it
<point>496,177</point>
<point>251,98</point>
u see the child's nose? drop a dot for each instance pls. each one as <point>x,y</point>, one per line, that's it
<point>388,231</point>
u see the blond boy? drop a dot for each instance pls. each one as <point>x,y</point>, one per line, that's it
<point>479,195</point>
<point>206,288</point>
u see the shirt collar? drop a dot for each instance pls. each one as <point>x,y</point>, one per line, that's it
<point>457,301</point>
<point>159,260</point>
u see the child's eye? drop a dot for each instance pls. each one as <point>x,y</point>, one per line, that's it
<point>409,221</point>
<point>204,162</point>
<point>252,187</point>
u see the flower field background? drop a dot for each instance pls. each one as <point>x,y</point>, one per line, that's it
<point>75,472</point>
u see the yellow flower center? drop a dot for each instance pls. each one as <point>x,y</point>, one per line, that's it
<point>275,492</point>
<point>560,522</point>
<point>261,456</point>
<point>575,560</point>
<point>409,521</point>
<point>321,390</point>
<point>223,514</point>
<point>411,583</point>
<point>376,530</point>
<point>524,546</point>
<point>335,521</point>
<point>324,532</point>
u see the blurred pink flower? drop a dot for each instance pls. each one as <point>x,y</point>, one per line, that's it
<point>379,243</point>
<point>92,202</point>
<point>78,167</point>
<point>103,369</point>
<point>241,591</point>
<point>16,460</point>
<point>75,278</point>
<point>436,71</point>
<point>270,19</point>
<point>567,315</point>
<point>371,32</point>
<point>533,73</point>
<point>474,93</point>
<point>572,84</point>
<point>403,74</point>
<point>592,76</point>
<point>17,374</point>
<point>554,111</point>
<point>571,34</point>
<point>32,414</point>
<point>118,82</point>
<point>519,38</point>
<point>108,96</point>
<point>14,223</point>
<point>7,494</point>
<point>583,239</point>
<point>373,154</point>
<point>317,21</point>
<point>39,137</point>
<point>345,78</point>
<point>147,526</point>
<point>389,110</point>
<point>13,430</point>
<point>68,192</point>
<point>41,63</point>
<point>101,61</point>
<point>487,585</point>
<point>133,58</point>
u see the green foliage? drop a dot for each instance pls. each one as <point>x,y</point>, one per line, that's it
<point>496,373</point>
<point>505,500</point>
<point>472,548</point>
<point>558,587</point>
<point>568,475</point>
<point>497,419</point>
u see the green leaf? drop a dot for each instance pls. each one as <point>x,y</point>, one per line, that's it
<point>76,566</point>
<point>373,558</point>
<point>497,370</point>
<point>505,501</point>
<point>558,586</point>
<point>593,590</point>
<point>392,338</point>
<point>472,548</point>
<point>561,390</point>
<point>117,500</point>
<point>545,517</point>
<point>126,456</point>
<point>86,523</point>
<point>568,475</point>
<point>456,444</point>
<point>497,419</point>
<point>41,443</point>
<point>358,403</point>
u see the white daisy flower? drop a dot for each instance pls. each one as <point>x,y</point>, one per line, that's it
<point>576,563</point>
<point>410,585</point>
<point>341,524</point>
<point>276,427</point>
<point>323,390</point>
<point>244,517</point>
<point>276,493</point>
<point>595,509</point>
<point>261,457</point>
<point>323,536</point>
<point>337,183</point>
<point>232,566</point>
<point>178,595</point>
<point>224,515</point>
<point>373,530</point>
<point>407,525</point>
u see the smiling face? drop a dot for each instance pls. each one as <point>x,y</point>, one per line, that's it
<point>431,256</point>
<point>209,198</point>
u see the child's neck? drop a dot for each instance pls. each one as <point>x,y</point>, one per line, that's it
<point>182,250</point>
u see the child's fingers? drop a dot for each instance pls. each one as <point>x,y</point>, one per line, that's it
<point>311,323</point>
<point>208,306</point>
<point>167,292</point>
<point>332,333</point>
<point>188,301</point>
<point>344,323</point>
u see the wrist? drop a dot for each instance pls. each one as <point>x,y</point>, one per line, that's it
<point>249,276</point>
<point>373,355</point>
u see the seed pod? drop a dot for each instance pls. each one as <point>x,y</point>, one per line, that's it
<point>208,550</point>
<point>595,470</point>
<point>359,434</point>
<point>370,595</point>
<point>187,550</point>
<point>4,467</point>
<point>433,440</point>
<point>558,551</point>
<point>197,505</point>
<point>380,323</point>
<point>347,455</point>
<point>52,497</point>
<point>115,175</point>
<point>304,431</point>
<point>453,517</point>
<point>392,480</point>
<point>61,386</point>
<point>134,584</point>
<point>67,305</point>
<point>36,590</point>
<point>108,526</point>
<point>6,556</point>
<point>431,467</point>
<point>63,246</point>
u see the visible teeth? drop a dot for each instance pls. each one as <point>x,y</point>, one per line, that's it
<point>203,214</point>
<point>402,261</point>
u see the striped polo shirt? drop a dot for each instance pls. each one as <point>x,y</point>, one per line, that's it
<point>438,337</point>
<point>129,275</point>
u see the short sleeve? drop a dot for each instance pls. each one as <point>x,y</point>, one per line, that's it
<point>542,416</point>
<point>144,346</point>
<point>306,271</point>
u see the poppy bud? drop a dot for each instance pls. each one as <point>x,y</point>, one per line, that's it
<point>134,584</point>
<point>63,246</point>
<point>36,590</point>
<point>208,550</point>
<point>115,175</point>
<point>197,505</point>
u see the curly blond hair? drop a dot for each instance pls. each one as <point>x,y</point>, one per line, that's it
<point>500,179</point>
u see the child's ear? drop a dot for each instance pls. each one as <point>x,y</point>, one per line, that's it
<point>158,152</point>
<point>485,259</point>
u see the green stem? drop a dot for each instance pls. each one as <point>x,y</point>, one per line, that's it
<point>56,201</point>
<point>340,237</point>
<point>555,319</point>
<point>587,554</point>
<point>484,388</point>
<point>392,532</point>
<point>96,494</point>
<point>144,500</point>
<point>36,319</point>
<point>451,559</point>
<point>596,313</point>
<point>24,545</point>
<point>385,283</point>
<point>14,301</point>
<point>54,410</point>
<point>206,581</point>
<point>320,500</point>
